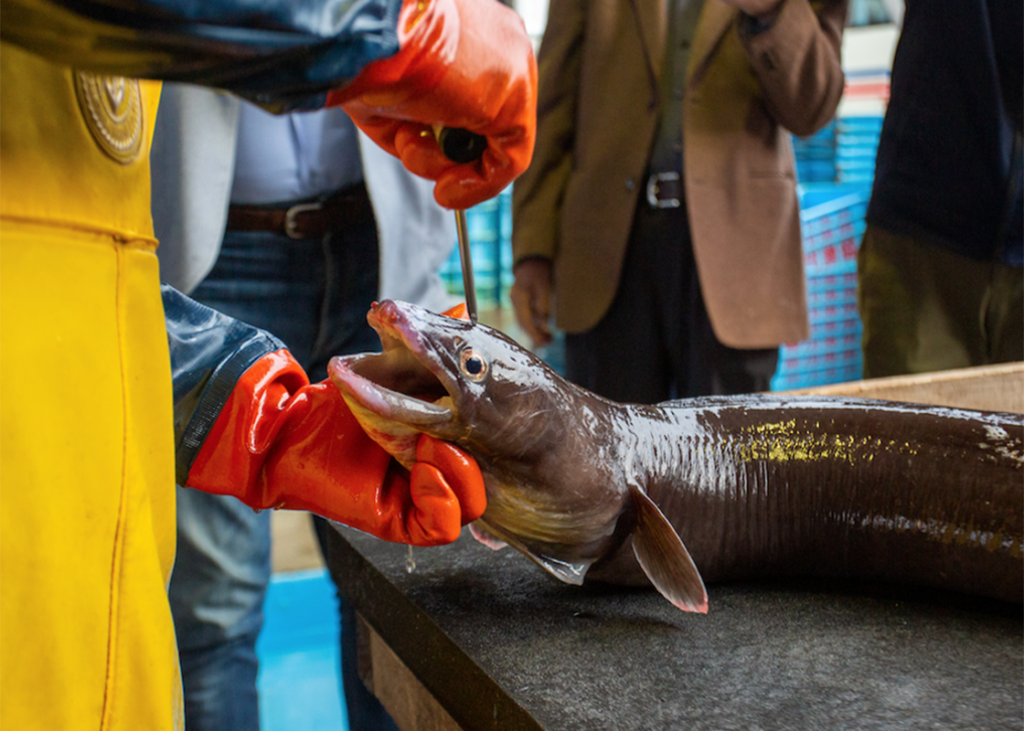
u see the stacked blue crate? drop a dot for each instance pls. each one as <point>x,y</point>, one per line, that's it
<point>856,148</point>
<point>843,151</point>
<point>832,221</point>
<point>816,155</point>
<point>505,247</point>
<point>489,226</point>
<point>482,225</point>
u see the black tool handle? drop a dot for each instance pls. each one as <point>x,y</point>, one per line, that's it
<point>461,145</point>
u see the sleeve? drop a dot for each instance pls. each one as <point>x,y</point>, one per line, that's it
<point>209,354</point>
<point>796,59</point>
<point>282,54</point>
<point>538,193</point>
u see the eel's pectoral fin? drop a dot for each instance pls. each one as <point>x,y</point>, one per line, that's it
<point>664,558</point>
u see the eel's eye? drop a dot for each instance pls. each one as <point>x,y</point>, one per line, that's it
<point>473,364</point>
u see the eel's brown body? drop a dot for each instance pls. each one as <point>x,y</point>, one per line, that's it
<point>755,486</point>
<point>777,486</point>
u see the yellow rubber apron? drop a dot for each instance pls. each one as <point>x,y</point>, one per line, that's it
<point>86,440</point>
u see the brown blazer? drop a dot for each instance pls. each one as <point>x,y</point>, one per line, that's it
<point>597,114</point>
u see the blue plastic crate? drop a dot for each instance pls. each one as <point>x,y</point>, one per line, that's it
<point>837,312</point>
<point>868,124</point>
<point>815,150</point>
<point>826,133</point>
<point>828,282</point>
<point>485,276</point>
<point>841,295</point>
<point>489,226</point>
<point>835,327</point>
<point>483,221</point>
<point>835,253</point>
<point>797,359</point>
<point>858,139</point>
<point>787,380</point>
<point>505,212</point>
<point>864,165</point>
<point>815,155</point>
<point>816,171</point>
<point>823,205</point>
<point>832,221</point>
<point>856,176</point>
<point>856,154</point>
<point>843,343</point>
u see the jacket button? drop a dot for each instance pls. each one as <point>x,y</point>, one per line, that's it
<point>630,184</point>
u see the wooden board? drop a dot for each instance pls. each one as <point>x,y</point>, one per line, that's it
<point>411,706</point>
<point>985,388</point>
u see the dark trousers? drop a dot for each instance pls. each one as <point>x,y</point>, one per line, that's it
<point>927,309</point>
<point>656,342</point>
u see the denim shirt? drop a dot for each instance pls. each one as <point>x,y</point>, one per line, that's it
<point>209,353</point>
<point>281,54</point>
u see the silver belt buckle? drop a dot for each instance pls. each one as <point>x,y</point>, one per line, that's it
<point>290,226</point>
<point>653,189</point>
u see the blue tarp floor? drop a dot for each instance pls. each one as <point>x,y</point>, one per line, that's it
<point>299,678</point>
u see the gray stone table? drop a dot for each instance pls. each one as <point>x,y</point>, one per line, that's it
<point>493,642</point>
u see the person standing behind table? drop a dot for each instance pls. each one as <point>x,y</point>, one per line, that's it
<point>941,264</point>
<point>659,218</point>
<point>300,259</point>
<point>115,386</point>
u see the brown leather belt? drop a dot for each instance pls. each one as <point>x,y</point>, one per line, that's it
<point>310,220</point>
<point>664,190</point>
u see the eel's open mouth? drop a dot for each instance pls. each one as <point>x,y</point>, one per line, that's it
<point>401,391</point>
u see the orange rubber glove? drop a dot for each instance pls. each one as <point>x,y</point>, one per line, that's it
<point>461,64</point>
<point>280,442</point>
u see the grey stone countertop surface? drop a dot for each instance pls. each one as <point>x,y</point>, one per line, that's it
<point>503,645</point>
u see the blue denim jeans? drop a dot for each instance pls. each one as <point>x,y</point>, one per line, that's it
<point>313,294</point>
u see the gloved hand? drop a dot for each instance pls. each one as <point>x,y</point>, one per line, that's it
<point>461,64</point>
<point>280,442</point>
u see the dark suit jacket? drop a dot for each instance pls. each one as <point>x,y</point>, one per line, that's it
<point>598,109</point>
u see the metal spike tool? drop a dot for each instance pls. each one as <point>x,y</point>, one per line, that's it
<point>467,264</point>
<point>462,146</point>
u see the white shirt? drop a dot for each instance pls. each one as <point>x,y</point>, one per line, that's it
<point>290,157</point>
<point>192,161</point>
